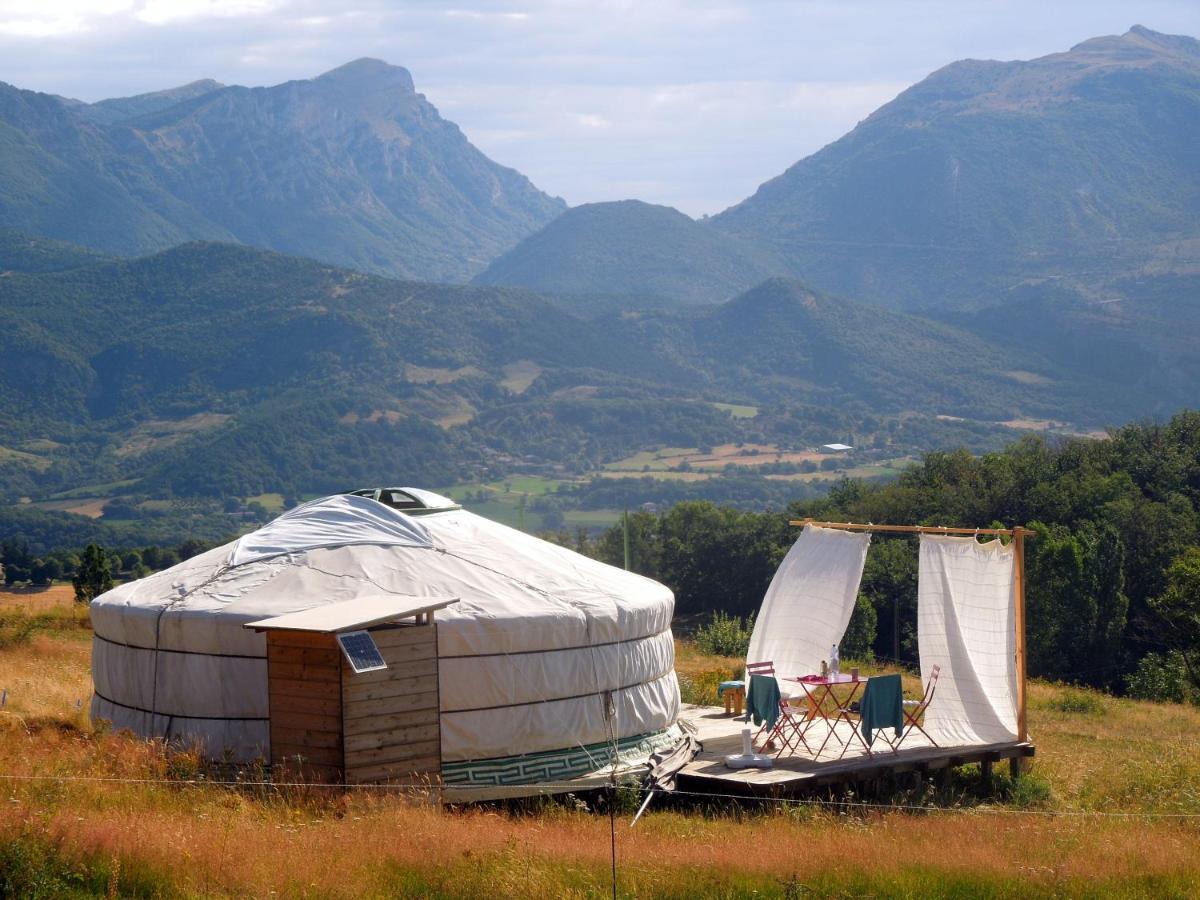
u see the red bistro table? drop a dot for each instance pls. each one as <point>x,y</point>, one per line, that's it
<point>818,689</point>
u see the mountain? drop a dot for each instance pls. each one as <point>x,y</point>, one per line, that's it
<point>782,342</point>
<point>1072,170</point>
<point>1074,176</point>
<point>122,108</point>
<point>353,168</point>
<point>20,252</point>
<point>633,249</point>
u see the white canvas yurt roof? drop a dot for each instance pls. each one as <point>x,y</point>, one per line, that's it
<point>538,635</point>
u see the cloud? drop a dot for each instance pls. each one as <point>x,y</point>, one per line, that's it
<point>487,15</point>
<point>592,120</point>
<point>164,12</point>
<point>57,18</point>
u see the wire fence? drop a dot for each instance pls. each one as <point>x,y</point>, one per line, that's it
<point>448,790</point>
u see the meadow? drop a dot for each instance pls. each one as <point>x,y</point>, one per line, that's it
<point>1110,807</point>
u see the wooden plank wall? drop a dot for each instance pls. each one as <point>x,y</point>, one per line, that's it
<point>391,717</point>
<point>304,674</point>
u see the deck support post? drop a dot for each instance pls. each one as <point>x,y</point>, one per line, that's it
<point>1019,629</point>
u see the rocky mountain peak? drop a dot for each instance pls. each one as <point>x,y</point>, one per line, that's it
<point>1138,46</point>
<point>369,73</point>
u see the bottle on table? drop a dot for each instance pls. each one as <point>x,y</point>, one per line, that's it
<point>833,661</point>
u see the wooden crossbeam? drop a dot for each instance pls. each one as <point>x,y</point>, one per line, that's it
<point>914,529</point>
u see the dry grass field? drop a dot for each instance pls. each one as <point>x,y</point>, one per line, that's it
<point>1105,811</point>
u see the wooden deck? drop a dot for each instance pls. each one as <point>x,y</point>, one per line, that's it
<point>721,735</point>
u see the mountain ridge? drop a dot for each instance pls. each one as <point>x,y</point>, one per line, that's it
<point>1081,164</point>
<point>633,249</point>
<point>118,109</point>
<point>353,167</point>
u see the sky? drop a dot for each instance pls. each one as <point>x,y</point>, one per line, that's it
<point>689,103</point>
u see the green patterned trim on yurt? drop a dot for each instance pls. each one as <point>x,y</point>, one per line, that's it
<point>557,765</point>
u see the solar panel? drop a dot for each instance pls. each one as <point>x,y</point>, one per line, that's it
<point>361,652</point>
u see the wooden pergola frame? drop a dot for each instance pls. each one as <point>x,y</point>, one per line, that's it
<point>1018,535</point>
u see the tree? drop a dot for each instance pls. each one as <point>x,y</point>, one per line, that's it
<point>14,554</point>
<point>94,576</point>
<point>1077,608</point>
<point>1105,568</point>
<point>645,547</point>
<point>859,638</point>
<point>719,558</point>
<point>158,558</point>
<point>191,547</point>
<point>889,581</point>
<point>1178,609</point>
<point>14,573</point>
<point>45,571</point>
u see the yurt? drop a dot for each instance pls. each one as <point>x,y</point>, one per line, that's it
<point>547,665</point>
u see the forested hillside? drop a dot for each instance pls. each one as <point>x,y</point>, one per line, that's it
<point>648,255</point>
<point>1113,575</point>
<point>217,370</point>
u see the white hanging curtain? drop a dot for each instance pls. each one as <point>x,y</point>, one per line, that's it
<point>965,609</point>
<point>810,600</point>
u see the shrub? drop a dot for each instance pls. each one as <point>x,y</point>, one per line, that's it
<point>1077,701</point>
<point>700,688</point>
<point>725,635</point>
<point>1162,677</point>
<point>31,866</point>
<point>1030,791</point>
<point>15,631</point>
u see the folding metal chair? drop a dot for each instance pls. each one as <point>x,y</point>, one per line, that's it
<point>914,709</point>
<point>786,727</point>
<point>887,734</point>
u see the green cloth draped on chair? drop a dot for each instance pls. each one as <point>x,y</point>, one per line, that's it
<point>882,707</point>
<point>762,700</point>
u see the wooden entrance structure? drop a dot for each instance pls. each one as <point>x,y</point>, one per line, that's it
<point>1018,535</point>
<point>331,724</point>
